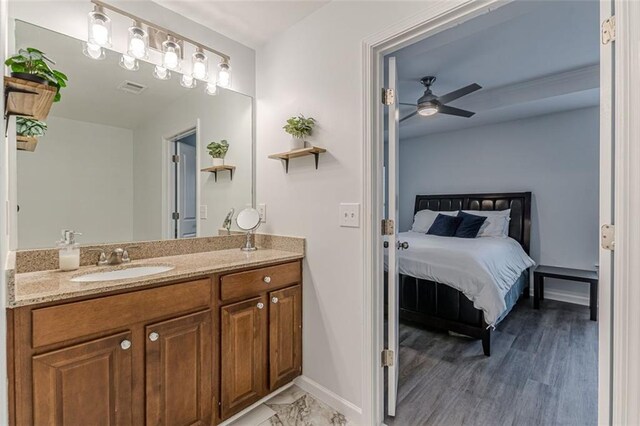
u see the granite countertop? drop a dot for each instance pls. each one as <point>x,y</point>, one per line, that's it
<point>46,286</point>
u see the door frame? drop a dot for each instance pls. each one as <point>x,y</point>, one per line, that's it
<point>435,18</point>
<point>167,208</point>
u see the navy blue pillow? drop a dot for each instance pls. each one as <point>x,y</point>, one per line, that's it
<point>445,226</point>
<point>470,225</point>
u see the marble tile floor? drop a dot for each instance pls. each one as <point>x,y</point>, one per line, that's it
<point>293,407</point>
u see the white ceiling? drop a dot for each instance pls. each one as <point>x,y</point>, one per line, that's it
<point>515,54</point>
<point>251,23</point>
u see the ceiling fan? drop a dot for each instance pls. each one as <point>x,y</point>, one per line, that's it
<point>430,104</point>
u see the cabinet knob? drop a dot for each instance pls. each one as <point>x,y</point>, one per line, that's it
<point>260,305</point>
<point>125,344</point>
<point>153,336</point>
<point>274,300</point>
<point>267,279</point>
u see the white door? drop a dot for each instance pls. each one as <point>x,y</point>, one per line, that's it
<point>186,190</point>
<point>392,239</point>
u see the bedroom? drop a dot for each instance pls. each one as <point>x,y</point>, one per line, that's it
<point>471,322</point>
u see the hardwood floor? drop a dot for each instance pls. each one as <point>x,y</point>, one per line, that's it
<point>542,371</point>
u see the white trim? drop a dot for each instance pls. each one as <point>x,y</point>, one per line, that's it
<point>565,296</point>
<point>626,291</point>
<point>350,410</point>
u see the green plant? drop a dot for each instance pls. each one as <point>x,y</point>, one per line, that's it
<point>33,61</point>
<point>300,127</point>
<point>30,127</point>
<point>218,149</point>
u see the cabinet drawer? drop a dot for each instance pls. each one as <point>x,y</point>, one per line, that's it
<point>65,322</point>
<point>251,283</point>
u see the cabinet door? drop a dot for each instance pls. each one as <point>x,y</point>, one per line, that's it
<point>85,384</point>
<point>178,366</point>
<point>243,354</point>
<point>285,335</point>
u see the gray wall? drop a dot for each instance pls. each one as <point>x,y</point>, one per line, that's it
<point>554,156</point>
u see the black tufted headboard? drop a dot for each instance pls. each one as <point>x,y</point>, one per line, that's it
<point>518,202</point>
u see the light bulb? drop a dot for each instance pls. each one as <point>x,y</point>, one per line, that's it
<point>93,51</point>
<point>99,28</point>
<point>161,73</point>
<point>171,54</point>
<point>224,74</point>
<point>129,63</point>
<point>138,41</point>
<point>188,82</point>
<point>212,88</point>
<point>427,109</point>
<point>199,61</point>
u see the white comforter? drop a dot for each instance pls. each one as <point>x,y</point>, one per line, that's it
<point>484,269</point>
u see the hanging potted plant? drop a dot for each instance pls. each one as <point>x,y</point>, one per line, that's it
<point>28,131</point>
<point>33,65</point>
<point>299,128</point>
<point>217,151</point>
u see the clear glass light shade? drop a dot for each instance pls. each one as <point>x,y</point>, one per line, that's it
<point>224,75</point>
<point>99,28</point>
<point>93,51</point>
<point>212,88</point>
<point>427,109</point>
<point>138,42</point>
<point>171,55</point>
<point>129,63</point>
<point>200,65</point>
<point>188,82</point>
<point>161,73</point>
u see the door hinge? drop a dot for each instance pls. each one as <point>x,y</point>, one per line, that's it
<point>387,358</point>
<point>387,227</point>
<point>608,30</point>
<point>175,215</point>
<point>608,237</point>
<point>175,158</point>
<point>388,96</point>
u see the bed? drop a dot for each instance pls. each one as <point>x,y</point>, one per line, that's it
<point>444,281</point>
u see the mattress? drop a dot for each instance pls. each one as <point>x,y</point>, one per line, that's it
<point>483,269</point>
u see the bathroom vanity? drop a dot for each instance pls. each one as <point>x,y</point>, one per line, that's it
<point>193,345</point>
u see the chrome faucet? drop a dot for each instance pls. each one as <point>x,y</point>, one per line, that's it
<point>118,256</point>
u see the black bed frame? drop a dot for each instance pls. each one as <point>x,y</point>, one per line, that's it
<point>439,306</point>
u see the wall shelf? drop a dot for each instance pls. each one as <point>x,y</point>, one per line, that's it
<point>303,152</point>
<point>27,98</point>
<point>26,143</point>
<point>216,169</point>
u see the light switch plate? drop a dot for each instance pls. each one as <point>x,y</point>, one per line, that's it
<point>262,209</point>
<point>350,215</point>
<point>203,212</point>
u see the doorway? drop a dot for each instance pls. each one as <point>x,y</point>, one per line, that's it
<point>386,45</point>
<point>183,191</point>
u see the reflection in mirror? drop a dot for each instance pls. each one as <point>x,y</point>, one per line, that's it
<point>248,220</point>
<point>123,156</point>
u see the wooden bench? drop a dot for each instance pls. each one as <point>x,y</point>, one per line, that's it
<point>590,277</point>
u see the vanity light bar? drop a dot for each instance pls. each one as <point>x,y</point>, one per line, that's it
<point>173,34</point>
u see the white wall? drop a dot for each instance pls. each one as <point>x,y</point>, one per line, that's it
<point>224,116</point>
<point>556,157</point>
<point>79,177</point>
<point>315,68</point>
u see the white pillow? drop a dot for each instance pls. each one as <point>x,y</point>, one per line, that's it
<point>497,223</point>
<point>423,220</point>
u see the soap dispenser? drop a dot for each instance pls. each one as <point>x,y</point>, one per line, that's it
<point>69,251</point>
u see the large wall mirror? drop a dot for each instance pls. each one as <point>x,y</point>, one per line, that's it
<point>106,164</point>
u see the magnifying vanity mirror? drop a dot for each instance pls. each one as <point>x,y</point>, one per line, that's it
<point>248,220</point>
<point>125,156</point>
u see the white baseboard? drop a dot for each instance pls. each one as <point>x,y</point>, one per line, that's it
<point>565,296</point>
<point>351,411</point>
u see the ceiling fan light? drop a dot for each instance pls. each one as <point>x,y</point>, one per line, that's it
<point>428,109</point>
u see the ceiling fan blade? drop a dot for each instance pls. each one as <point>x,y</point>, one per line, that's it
<point>408,116</point>
<point>451,96</point>
<point>413,105</point>
<point>445,109</point>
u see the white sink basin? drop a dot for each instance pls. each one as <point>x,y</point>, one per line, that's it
<point>122,274</point>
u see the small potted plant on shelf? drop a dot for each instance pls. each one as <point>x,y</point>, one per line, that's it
<point>299,128</point>
<point>218,150</point>
<point>32,65</point>
<point>28,130</point>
